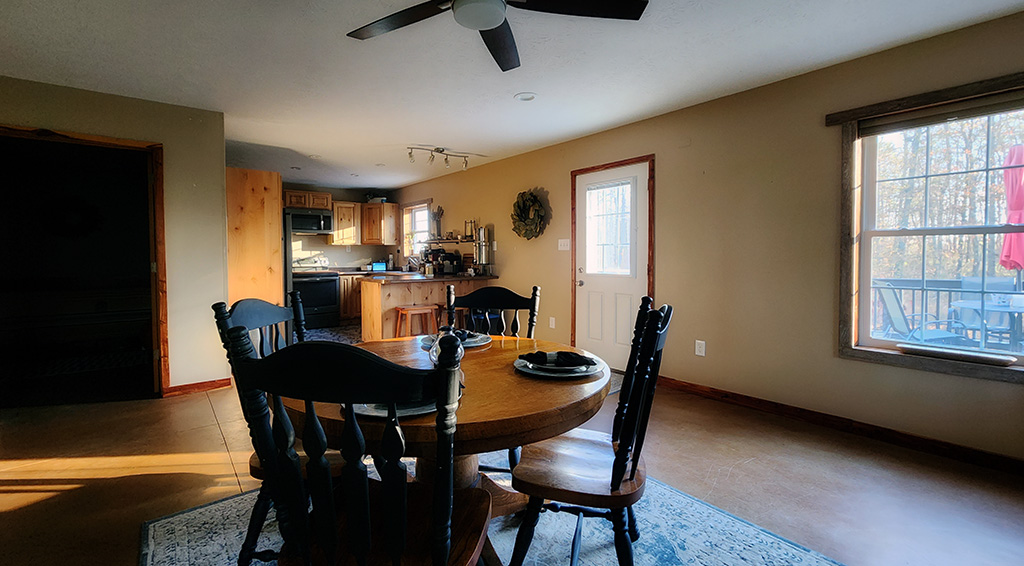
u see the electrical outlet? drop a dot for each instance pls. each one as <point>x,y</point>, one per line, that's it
<point>551,322</point>
<point>699,348</point>
<point>563,244</point>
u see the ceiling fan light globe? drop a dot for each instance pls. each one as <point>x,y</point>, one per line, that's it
<point>479,14</point>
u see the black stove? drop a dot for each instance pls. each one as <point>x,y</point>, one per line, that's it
<point>320,292</point>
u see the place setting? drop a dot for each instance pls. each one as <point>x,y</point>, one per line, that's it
<point>558,365</point>
<point>469,338</point>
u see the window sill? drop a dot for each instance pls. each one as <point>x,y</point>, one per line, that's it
<point>893,357</point>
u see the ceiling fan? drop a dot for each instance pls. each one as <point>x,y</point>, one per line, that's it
<point>488,17</point>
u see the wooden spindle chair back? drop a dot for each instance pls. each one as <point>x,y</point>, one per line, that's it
<point>641,395</point>
<point>273,325</point>
<point>338,373</point>
<point>484,300</point>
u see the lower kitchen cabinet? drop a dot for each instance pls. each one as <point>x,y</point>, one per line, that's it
<point>351,296</point>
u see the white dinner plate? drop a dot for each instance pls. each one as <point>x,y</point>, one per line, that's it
<point>559,372</point>
<point>474,340</point>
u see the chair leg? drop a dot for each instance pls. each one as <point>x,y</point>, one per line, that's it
<point>634,531</point>
<point>513,457</point>
<point>525,535</point>
<point>623,547</point>
<point>256,521</point>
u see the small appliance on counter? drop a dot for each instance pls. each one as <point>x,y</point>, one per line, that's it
<point>482,253</point>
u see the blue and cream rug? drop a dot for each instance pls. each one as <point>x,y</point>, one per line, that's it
<point>675,528</point>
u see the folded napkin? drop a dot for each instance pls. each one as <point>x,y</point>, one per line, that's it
<point>558,359</point>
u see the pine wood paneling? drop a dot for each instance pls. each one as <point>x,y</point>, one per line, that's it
<point>254,235</point>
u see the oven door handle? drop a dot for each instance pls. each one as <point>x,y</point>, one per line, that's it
<point>313,279</point>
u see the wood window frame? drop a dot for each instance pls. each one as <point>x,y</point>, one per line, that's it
<point>851,122</point>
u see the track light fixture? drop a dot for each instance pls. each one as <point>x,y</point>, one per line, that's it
<point>448,154</point>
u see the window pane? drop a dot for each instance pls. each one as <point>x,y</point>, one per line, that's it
<point>949,258</point>
<point>1007,131</point>
<point>896,257</point>
<point>900,204</point>
<point>956,200</point>
<point>902,154</point>
<point>609,228</point>
<point>959,145</point>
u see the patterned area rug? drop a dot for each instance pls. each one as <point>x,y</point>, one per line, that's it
<point>675,528</point>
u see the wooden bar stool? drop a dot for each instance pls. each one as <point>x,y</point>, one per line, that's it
<point>460,316</point>
<point>408,311</point>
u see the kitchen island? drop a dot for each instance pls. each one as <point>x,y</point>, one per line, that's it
<point>382,293</point>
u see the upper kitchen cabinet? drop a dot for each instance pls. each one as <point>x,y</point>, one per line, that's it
<point>380,223</point>
<point>254,235</point>
<point>307,199</point>
<point>347,223</point>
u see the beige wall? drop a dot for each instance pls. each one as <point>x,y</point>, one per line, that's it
<point>747,236</point>
<point>194,205</point>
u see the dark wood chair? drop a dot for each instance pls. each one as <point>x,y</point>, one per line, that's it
<point>487,307</point>
<point>363,521</point>
<point>274,327</point>
<point>562,469</point>
<point>488,304</point>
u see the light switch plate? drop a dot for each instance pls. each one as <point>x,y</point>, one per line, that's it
<point>563,244</point>
<point>700,348</point>
<point>551,322</point>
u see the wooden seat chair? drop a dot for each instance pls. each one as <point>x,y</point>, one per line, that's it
<point>562,469</point>
<point>363,521</point>
<point>481,304</point>
<point>274,327</point>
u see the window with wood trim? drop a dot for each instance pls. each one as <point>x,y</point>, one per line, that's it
<point>415,227</point>
<point>933,247</point>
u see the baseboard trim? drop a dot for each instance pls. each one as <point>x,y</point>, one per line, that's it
<point>903,439</point>
<point>195,387</point>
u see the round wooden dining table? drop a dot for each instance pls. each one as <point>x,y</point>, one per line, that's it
<point>500,408</point>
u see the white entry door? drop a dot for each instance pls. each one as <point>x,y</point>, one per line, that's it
<point>612,243</point>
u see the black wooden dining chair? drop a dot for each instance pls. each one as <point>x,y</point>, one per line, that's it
<point>274,328</point>
<point>368,521</point>
<point>562,469</point>
<point>488,306</point>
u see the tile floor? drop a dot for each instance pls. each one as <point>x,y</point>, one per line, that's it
<point>77,481</point>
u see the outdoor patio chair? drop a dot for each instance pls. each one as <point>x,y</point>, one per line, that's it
<point>995,327</point>
<point>901,327</point>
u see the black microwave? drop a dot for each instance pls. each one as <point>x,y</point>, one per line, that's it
<point>309,220</point>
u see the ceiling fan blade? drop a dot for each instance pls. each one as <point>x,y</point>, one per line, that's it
<point>615,9</point>
<point>401,19</point>
<point>502,45</point>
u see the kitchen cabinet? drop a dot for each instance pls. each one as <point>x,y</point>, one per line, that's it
<point>307,199</point>
<point>347,223</point>
<point>351,296</point>
<point>255,235</point>
<point>380,223</point>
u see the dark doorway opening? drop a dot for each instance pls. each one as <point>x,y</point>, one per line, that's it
<point>76,300</point>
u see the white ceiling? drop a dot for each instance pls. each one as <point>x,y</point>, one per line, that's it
<point>292,85</point>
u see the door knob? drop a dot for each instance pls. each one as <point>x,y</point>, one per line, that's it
<point>580,282</point>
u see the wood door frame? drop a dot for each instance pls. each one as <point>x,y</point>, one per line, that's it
<point>157,243</point>
<point>649,159</point>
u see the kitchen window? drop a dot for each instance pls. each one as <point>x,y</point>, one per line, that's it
<point>415,227</point>
<point>933,246</point>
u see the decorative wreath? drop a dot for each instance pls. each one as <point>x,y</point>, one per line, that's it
<point>528,215</point>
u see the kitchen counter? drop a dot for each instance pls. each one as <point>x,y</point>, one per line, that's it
<point>381,293</point>
<point>403,277</point>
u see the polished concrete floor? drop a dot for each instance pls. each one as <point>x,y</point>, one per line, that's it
<point>76,482</point>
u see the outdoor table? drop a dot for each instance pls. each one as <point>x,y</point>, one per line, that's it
<point>1014,311</point>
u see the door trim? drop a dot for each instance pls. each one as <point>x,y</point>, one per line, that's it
<point>157,251</point>
<point>649,159</point>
